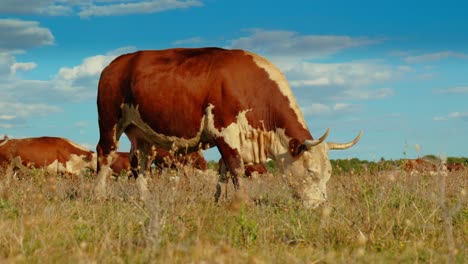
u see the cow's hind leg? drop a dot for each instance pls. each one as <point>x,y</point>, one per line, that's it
<point>106,155</point>
<point>145,156</point>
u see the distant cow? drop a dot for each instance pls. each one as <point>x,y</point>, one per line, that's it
<point>189,99</point>
<point>165,159</point>
<point>420,165</point>
<point>122,164</point>
<point>56,155</point>
<point>250,169</point>
<point>454,166</point>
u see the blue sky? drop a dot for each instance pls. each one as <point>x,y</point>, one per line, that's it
<point>398,70</point>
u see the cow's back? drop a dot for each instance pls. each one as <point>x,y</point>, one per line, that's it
<point>41,151</point>
<point>172,90</point>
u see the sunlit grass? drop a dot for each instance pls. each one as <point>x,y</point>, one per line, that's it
<point>370,218</point>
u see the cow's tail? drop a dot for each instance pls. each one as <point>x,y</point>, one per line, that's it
<point>5,140</point>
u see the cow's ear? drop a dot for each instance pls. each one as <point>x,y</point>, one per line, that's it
<point>296,147</point>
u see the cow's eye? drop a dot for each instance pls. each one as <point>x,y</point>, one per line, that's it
<point>313,174</point>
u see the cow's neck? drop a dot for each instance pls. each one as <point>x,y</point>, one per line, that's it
<point>256,144</point>
<point>279,146</point>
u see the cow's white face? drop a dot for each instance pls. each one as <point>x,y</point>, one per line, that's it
<point>308,175</point>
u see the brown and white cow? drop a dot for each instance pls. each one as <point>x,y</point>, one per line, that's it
<point>122,165</point>
<point>420,165</point>
<point>200,98</point>
<point>164,159</point>
<point>54,154</point>
<point>250,169</point>
<point>454,166</point>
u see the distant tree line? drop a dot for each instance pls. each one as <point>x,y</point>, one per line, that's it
<point>355,165</point>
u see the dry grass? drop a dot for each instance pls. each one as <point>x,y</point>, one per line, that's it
<point>385,218</point>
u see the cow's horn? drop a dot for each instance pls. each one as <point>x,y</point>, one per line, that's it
<point>333,145</point>
<point>310,143</point>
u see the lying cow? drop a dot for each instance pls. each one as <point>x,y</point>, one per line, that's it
<point>54,154</point>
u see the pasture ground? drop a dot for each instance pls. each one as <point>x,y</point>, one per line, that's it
<point>370,218</point>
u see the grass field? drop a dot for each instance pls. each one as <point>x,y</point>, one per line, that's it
<point>379,218</point>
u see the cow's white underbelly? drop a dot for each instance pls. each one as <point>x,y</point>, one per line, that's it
<point>131,117</point>
<point>253,144</point>
<point>74,165</point>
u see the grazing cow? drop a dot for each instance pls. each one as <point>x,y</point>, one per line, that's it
<point>454,166</point>
<point>56,155</point>
<point>163,159</point>
<point>420,165</point>
<point>189,99</point>
<point>252,168</point>
<point>249,169</point>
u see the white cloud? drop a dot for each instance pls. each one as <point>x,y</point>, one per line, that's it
<point>6,63</point>
<point>350,80</point>
<point>319,109</point>
<point>17,35</point>
<point>345,107</point>
<point>458,115</point>
<point>15,113</point>
<point>351,73</point>
<point>316,109</point>
<point>453,90</point>
<point>7,117</point>
<point>21,99</point>
<point>366,94</point>
<point>89,67</point>
<point>452,115</point>
<point>293,54</point>
<point>315,82</point>
<point>80,82</point>
<point>22,66</point>
<point>43,7</point>
<point>428,57</point>
<point>440,118</point>
<point>136,7</point>
<point>290,44</point>
<point>88,8</point>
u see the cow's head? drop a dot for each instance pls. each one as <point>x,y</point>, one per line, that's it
<point>309,168</point>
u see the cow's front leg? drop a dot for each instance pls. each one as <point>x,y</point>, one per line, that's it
<point>233,164</point>
<point>105,157</point>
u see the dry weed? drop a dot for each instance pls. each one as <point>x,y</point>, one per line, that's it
<point>370,218</point>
